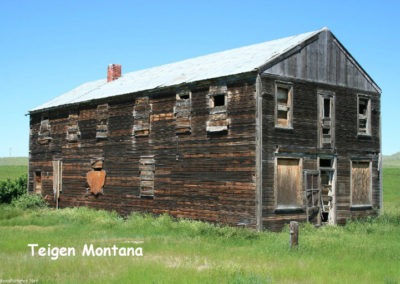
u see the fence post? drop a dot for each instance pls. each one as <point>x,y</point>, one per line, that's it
<point>294,234</point>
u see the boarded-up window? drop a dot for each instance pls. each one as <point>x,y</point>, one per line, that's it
<point>288,183</point>
<point>73,132</point>
<point>182,112</point>
<point>44,131</point>
<point>102,121</point>
<point>326,131</point>
<point>218,105</point>
<point>141,116</point>
<point>147,172</point>
<point>364,115</point>
<point>361,183</point>
<point>283,105</point>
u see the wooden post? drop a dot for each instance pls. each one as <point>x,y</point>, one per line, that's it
<point>294,234</point>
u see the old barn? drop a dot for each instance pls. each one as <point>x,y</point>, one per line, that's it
<point>256,136</point>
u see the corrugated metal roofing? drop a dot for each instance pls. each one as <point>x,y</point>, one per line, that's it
<point>225,63</point>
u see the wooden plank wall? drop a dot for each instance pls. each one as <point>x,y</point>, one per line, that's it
<point>324,60</point>
<point>197,175</point>
<point>302,142</point>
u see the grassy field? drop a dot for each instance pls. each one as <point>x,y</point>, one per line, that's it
<point>195,252</point>
<point>12,172</point>
<point>13,167</point>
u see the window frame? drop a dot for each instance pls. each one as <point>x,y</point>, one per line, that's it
<point>147,173</point>
<point>37,181</point>
<point>102,113</point>
<point>281,107</point>
<point>219,108</point>
<point>45,131</point>
<point>369,203</point>
<point>326,122</point>
<point>142,117</point>
<point>183,112</point>
<point>218,120</point>
<point>367,116</point>
<point>299,206</point>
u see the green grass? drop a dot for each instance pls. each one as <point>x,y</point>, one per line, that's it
<point>13,167</point>
<point>391,190</point>
<point>12,172</point>
<point>392,161</point>
<point>14,161</point>
<point>186,251</point>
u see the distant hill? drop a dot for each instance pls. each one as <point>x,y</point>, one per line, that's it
<point>14,161</point>
<point>392,160</point>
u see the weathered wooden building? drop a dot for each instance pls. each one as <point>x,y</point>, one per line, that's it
<point>256,136</point>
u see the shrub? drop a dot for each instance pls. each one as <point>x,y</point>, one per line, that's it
<point>12,189</point>
<point>29,201</point>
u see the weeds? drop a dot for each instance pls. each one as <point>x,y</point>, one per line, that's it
<point>11,189</point>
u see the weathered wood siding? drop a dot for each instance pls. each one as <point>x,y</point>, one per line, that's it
<point>326,61</point>
<point>192,150</point>
<point>199,175</point>
<point>301,142</point>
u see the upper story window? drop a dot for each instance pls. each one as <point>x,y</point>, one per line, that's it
<point>141,116</point>
<point>326,131</point>
<point>218,101</point>
<point>102,121</point>
<point>182,111</point>
<point>283,105</point>
<point>44,131</point>
<point>218,105</point>
<point>364,115</point>
<point>73,132</point>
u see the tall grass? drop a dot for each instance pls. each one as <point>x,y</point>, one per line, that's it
<point>186,251</point>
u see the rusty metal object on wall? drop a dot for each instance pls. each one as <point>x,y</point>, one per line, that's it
<point>96,178</point>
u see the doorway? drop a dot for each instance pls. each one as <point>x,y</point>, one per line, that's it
<point>327,169</point>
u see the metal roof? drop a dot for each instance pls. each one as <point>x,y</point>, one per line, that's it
<point>220,64</point>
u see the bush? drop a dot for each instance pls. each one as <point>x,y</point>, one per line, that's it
<point>12,189</point>
<point>29,201</point>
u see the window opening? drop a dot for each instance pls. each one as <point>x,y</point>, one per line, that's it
<point>38,182</point>
<point>327,107</point>
<point>141,115</point>
<point>102,122</point>
<point>44,131</point>
<point>182,112</point>
<point>313,196</point>
<point>283,105</point>
<point>325,163</point>
<point>73,132</point>
<point>219,100</point>
<point>218,121</point>
<point>326,120</point>
<point>184,96</point>
<point>364,116</point>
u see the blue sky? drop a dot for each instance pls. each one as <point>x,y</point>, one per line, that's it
<point>50,47</point>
